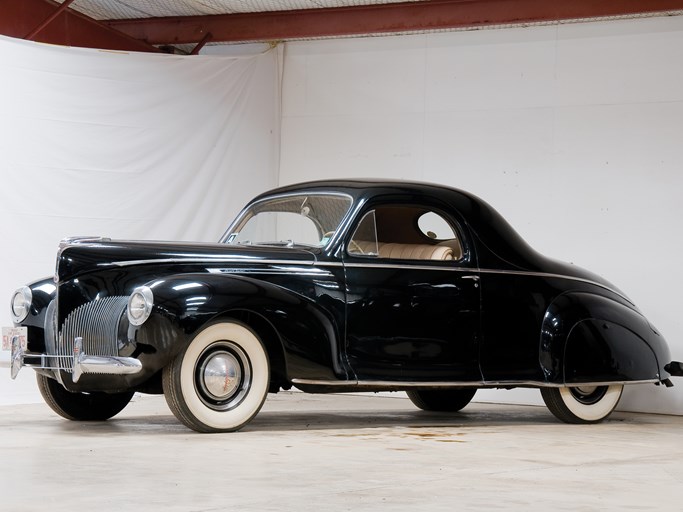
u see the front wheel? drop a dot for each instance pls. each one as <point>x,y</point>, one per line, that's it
<point>220,381</point>
<point>443,400</point>
<point>582,404</point>
<point>81,406</point>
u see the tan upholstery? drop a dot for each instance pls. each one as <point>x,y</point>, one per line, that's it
<point>455,247</point>
<point>406,251</point>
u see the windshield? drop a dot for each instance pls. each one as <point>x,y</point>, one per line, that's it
<point>303,219</point>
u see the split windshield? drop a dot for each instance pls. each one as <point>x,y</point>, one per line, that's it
<point>302,219</point>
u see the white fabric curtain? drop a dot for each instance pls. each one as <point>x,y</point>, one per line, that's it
<point>127,145</point>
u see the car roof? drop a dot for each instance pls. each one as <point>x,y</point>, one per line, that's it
<point>491,229</point>
<point>498,245</point>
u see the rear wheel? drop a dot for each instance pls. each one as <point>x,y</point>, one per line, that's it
<point>81,406</point>
<point>445,400</point>
<point>582,404</point>
<point>220,381</point>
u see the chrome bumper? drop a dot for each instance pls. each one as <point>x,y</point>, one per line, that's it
<point>82,363</point>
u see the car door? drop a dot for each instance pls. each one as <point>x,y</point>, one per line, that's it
<point>413,296</point>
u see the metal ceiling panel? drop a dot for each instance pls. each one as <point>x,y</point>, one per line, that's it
<point>170,24</point>
<point>131,9</point>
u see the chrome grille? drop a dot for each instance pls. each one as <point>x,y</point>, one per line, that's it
<point>97,322</point>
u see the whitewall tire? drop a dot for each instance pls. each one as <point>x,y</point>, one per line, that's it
<point>219,383</point>
<point>582,404</point>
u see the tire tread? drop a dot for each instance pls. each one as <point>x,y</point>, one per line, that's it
<point>81,406</point>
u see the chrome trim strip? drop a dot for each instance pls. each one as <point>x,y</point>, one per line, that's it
<point>358,384</point>
<point>270,271</point>
<point>470,270</point>
<point>538,274</point>
<point>440,267</point>
<point>208,260</point>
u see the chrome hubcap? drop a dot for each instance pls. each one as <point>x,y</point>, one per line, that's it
<point>588,395</point>
<point>222,376</point>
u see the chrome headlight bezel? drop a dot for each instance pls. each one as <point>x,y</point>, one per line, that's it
<point>20,305</point>
<point>140,305</point>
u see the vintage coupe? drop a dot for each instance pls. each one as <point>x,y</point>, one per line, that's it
<point>331,286</point>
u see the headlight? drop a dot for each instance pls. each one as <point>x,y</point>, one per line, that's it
<point>21,304</point>
<point>140,305</point>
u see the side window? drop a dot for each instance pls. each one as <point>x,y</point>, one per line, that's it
<point>434,226</point>
<point>405,232</point>
<point>364,239</point>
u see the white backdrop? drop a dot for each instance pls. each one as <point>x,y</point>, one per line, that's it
<point>125,145</point>
<point>573,132</point>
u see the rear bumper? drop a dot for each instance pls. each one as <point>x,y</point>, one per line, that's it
<point>675,368</point>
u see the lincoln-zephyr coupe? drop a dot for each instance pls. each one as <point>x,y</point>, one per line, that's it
<point>331,286</point>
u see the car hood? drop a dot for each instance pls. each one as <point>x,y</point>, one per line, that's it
<point>77,257</point>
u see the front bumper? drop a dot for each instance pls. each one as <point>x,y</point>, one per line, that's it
<point>82,362</point>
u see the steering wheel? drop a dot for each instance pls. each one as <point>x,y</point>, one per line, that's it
<point>354,245</point>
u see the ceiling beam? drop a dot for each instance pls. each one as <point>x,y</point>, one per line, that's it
<point>46,21</point>
<point>377,19</point>
<point>59,10</point>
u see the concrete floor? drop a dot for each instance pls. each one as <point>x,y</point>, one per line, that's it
<point>340,452</point>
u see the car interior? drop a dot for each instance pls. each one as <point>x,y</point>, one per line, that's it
<point>405,232</point>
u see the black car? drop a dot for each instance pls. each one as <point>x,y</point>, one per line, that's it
<point>331,286</point>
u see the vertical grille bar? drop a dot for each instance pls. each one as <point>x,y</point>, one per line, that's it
<point>97,322</point>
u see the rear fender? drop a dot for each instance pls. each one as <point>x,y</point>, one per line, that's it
<point>592,338</point>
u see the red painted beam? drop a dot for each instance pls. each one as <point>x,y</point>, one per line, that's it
<point>377,19</point>
<point>50,19</point>
<point>201,44</point>
<point>20,18</point>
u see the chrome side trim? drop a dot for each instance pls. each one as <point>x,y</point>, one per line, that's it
<point>398,385</point>
<point>443,267</point>
<point>270,271</point>
<point>207,260</point>
<point>292,267</point>
<point>541,274</point>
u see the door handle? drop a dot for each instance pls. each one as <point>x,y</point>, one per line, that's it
<point>475,279</point>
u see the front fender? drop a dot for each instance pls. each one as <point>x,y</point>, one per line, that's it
<point>43,292</point>
<point>587,337</point>
<point>306,332</point>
